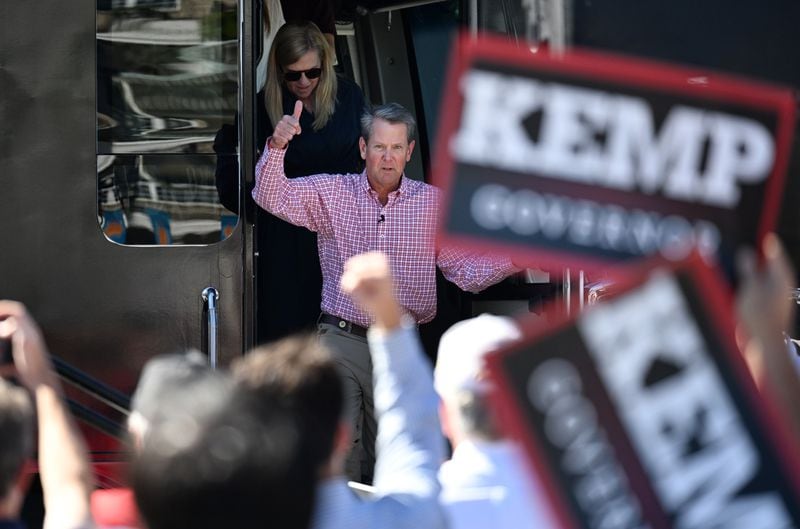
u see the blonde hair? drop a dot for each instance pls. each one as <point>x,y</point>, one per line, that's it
<point>292,41</point>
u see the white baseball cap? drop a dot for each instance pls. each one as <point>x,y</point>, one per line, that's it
<point>459,364</point>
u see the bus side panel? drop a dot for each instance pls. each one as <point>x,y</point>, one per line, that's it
<point>104,308</point>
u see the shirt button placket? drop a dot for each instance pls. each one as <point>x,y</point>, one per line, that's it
<point>382,244</point>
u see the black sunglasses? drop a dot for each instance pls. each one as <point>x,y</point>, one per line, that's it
<point>294,75</point>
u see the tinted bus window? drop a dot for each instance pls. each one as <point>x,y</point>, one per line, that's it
<point>167,77</point>
<point>161,199</point>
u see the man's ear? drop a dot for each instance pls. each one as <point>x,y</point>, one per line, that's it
<point>362,146</point>
<point>410,149</point>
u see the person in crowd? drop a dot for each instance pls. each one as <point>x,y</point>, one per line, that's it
<point>62,457</point>
<point>766,314</point>
<point>300,67</point>
<point>216,457</point>
<point>484,484</point>
<point>16,447</point>
<point>302,374</point>
<point>160,377</point>
<point>379,209</point>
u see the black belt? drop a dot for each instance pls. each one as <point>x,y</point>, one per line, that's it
<point>344,325</point>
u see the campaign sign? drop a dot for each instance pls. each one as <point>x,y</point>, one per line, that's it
<point>587,160</point>
<point>640,413</point>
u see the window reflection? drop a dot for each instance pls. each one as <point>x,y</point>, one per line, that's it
<point>167,77</point>
<point>167,73</point>
<point>161,199</point>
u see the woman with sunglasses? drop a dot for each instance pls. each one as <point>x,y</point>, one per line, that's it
<point>300,67</point>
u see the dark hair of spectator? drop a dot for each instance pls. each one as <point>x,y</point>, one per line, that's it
<point>239,467</point>
<point>163,373</point>
<point>16,433</point>
<point>299,372</point>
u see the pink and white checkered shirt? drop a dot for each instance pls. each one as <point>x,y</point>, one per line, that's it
<point>349,219</point>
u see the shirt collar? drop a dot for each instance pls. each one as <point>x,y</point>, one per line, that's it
<point>404,184</point>
<point>365,187</point>
<point>400,191</point>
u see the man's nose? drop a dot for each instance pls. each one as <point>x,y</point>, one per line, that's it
<point>387,155</point>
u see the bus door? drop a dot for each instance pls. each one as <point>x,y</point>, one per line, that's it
<point>112,230</point>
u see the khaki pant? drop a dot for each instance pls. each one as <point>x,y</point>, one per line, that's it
<point>351,353</point>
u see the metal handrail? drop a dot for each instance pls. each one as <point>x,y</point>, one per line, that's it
<point>91,386</point>
<point>210,297</point>
<point>97,420</point>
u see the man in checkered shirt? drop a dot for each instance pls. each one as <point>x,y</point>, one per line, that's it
<point>378,210</point>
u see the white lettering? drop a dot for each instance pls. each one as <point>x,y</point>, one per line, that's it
<point>599,138</point>
<point>487,205</point>
<point>573,118</point>
<point>638,156</point>
<point>601,488</point>
<point>676,409</point>
<point>487,134</point>
<point>589,224</point>
<point>742,148</point>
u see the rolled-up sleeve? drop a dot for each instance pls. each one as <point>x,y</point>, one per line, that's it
<point>295,200</point>
<point>473,272</point>
<point>410,445</point>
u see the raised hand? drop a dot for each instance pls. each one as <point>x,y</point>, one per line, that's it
<point>763,301</point>
<point>31,358</point>
<point>64,469</point>
<point>766,310</point>
<point>287,128</point>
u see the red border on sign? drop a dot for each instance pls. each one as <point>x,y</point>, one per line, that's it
<point>534,329</point>
<point>715,296</point>
<point>510,413</point>
<point>717,302</point>
<point>594,66</point>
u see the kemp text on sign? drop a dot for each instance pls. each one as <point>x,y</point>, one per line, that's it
<point>590,160</point>
<point>641,413</point>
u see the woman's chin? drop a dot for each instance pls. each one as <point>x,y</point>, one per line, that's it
<point>303,94</point>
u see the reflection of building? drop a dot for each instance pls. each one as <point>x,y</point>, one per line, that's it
<point>167,80</point>
<point>159,79</point>
<point>160,199</point>
<point>181,8</point>
<point>107,5</point>
<point>158,112</point>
